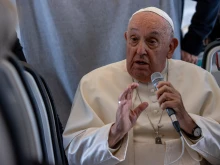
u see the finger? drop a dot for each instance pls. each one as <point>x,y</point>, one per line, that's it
<point>187,57</point>
<point>129,89</point>
<point>195,59</point>
<point>168,104</point>
<point>164,89</point>
<point>124,94</point>
<point>121,104</point>
<point>162,83</point>
<point>164,86</point>
<point>123,108</point>
<point>137,111</point>
<point>167,97</point>
<point>129,95</point>
<point>190,59</point>
<point>194,62</point>
<point>132,87</point>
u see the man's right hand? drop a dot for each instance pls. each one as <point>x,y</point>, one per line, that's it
<point>125,117</point>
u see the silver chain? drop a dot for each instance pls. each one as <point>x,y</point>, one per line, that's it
<point>156,131</point>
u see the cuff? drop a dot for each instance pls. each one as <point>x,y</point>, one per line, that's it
<point>193,141</point>
<point>115,149</point>
<point>121,150</point>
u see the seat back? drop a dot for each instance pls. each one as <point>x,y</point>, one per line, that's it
<point>7,154</point>
<point>43,113</point>
<point>211,59</point>
<point>19,111</point>
<point>56,128</point>
<point>50,119</point>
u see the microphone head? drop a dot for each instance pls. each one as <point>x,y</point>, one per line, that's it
<point>156,77</point>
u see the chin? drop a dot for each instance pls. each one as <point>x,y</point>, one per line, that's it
<point>142,77</point>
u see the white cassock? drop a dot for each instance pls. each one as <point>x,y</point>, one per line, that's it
<point>94,110</point>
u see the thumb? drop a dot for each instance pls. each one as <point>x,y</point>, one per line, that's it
<point>137,111</point>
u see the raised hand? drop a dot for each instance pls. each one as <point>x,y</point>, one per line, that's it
<point>125,116</point>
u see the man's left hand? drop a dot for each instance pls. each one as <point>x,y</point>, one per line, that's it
<point>185,56</point>
<point>169,97</point>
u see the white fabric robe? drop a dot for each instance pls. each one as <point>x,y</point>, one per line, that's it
<point>94,110</point>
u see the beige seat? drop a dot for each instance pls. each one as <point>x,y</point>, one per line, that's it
<point>209,59</point>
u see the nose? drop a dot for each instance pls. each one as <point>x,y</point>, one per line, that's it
<point>142,48</point>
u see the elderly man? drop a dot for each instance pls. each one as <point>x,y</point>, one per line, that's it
<point>108,126</point>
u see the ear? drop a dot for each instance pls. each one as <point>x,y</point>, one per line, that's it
<point>172,47</point>
<point>125,35</point>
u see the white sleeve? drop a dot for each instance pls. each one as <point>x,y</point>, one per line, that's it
<point>85,137</point>
<point>209,144</point>
<point>208,119</point>
<point>90,147</point>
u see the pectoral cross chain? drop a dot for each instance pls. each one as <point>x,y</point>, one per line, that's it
<point>158,138</point>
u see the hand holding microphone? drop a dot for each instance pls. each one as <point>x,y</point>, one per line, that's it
<point>170,100</point>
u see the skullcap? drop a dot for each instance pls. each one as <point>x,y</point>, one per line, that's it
<point>158,12</point>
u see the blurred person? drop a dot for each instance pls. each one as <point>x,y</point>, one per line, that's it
<point>215,34</point>
<point>109,125</point>
<point>8,36</point>
<point>201,26</point>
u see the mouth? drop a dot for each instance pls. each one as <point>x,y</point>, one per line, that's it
<point>141,62</point>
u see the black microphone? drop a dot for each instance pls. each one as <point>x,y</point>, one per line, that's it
<point>156,77</point>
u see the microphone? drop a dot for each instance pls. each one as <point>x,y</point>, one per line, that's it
<point>156,77</point>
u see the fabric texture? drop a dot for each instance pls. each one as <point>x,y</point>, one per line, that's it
<point>94,110</point>
<point>64,39</point>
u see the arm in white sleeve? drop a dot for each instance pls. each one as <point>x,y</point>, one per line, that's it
<point>86,134</point>
<point>90,147</point>
<point>208,146</point>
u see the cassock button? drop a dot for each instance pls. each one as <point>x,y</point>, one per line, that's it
<point>153,98</point>
<point>152,90</point>
<point>156,111</point>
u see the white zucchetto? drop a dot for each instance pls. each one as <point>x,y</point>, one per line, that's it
<point>158,12</point>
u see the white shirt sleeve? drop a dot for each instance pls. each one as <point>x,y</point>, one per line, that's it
<point>209,144</point>
<point>115,149</point>
<point>90,147</point>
